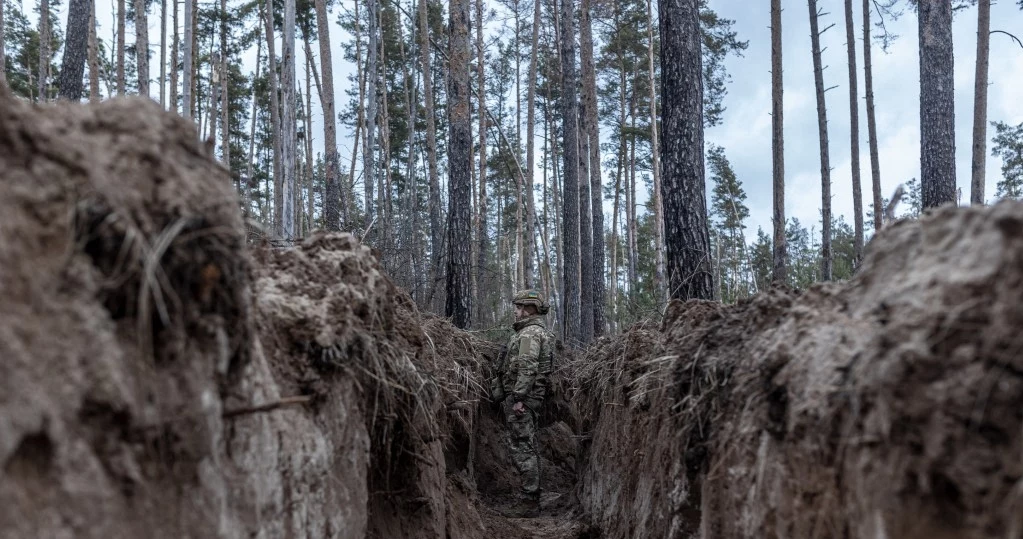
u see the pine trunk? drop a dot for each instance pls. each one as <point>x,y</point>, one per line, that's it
<point>458,305</point>
<point>251,157</point>
<point>194,65</point>
<point>3,51</point>
<point>591,133</point>
<point>163,53</point>
<point>332,194</point>
<point>275,111</point>
<point>44,49</point>
<point>570,176</point>
<point>369,165</point>
<point>436,227</point>
<point>937,104</point>
<point>779,273</point>
<point>630,201</point>
<point>530,150</point>
<point>585,219</point>
<point>980,102</point>
<point>186,62</point>
<point>76,50</point>
<point>225,99</point>
<point>288,150</point>
<point>822,135</point>
<point>854,135</point>
<point>360,115</point>
<point>120,45</point>
<point>658,211</point>
<point>142,46</point>
<point>173,98</point>
<point>868,81</point>
<point>93,55</point>
<point>482,237</point>
<point>683,187</point>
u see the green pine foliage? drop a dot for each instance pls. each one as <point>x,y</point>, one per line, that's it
<point>1008,144</point>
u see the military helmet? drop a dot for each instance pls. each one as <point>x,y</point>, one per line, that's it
<point>531,297</point>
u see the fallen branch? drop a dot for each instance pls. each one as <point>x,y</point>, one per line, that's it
<point>270,406</point>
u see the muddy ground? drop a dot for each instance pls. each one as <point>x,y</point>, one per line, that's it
<point>164,377</point>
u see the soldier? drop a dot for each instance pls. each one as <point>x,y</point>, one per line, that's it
<point>519,387</point>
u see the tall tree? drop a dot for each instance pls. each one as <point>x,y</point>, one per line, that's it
<point>275,111</point>
<point>225,77</point>
<point>530,135</point>
<point>822,135</point>
<point>288,150</point>
<point>76,48</point>
<point>458,305</point>
<point>332,193</point>
<point>93,55</point>
<point>854,133</point>
<point>482,239</point>
<point>1008,144</point>
<point>570,176</point>
<point>686,236</point>
<point>369,155</point>
<point>980,102</point>
<point>121,14</point>
<point>937,104</point>
<point>142,46</point>
<point>173,97</point>
<point>187,62</point>
<point>44,48</point>
<point>3,52</point>
<point>586,277</point>
<point>589,92</point>
<point>868,82</point>
<point>163,53</point>
<point>436,227</point>
<point>779,255</point>
<point>659,284</point>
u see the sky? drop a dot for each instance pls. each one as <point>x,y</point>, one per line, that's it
<point>745,132</point>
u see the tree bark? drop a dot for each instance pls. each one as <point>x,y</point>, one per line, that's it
<point>193,104</point>
<point>173,97</point>
<point>369,165</point>
<point>530,231</point>
<point>779,272</point>
<point>854,135</point>
<point>142,46</point>
<point>225,99</point>
<point>44,48</point>
<point>436,227</point>
<point>93,55</point>
<point>591,133</point>
<point>275,110</point>
<point>332,194</point>
<point>585,218</point>
<point>76,49</point>
<point>360,115</point>
<point>482,237</point>
<point>937,104</point>
<point>659,285</point>
<point>287,230</point>
<point>683,187</point>
<point>980,102</point>
<point>186,61</point>
<point>868,81</point>
<point>120,45</point>
<point>3,52</point>
<point>822,135</point>
<point>458,304</point>
<point>250,157</point>
<point>570,182</point>
<point>163,53</point>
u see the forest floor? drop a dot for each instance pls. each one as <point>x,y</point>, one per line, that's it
<point>165,374</point>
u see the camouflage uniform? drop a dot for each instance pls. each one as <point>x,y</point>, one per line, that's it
<point>521,376</point>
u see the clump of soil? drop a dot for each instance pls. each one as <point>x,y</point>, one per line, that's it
<point>888,406</point>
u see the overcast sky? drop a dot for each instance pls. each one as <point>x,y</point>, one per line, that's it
<point>746,130</point>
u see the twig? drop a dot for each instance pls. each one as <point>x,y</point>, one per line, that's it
<point>1014,38</point>
<point>267,407</point>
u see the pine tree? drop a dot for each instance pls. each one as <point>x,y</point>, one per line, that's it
<point>332,197</point>
<point>854,132</point>
<point>1008,144</point>
<point>570,200</point>
<point>142,46</point>
<point>937,104</point>
<point>780,255</point>
<point>458,305</point>
<point>822,129</point>
<point>76,44</point>
<point>728,212</point>
<point>286,226</point>
<point>868,83</point>
<point>979,162</point>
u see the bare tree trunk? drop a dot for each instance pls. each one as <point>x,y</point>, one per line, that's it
<point>44,49</point>
<point>142,46</point>
<point>436,227</point>
<point>369,166</point>
<point>174,57</point>
<point>76,49</point>
<point>482,237</point>
<point>591,134</point>
<point>980,102</point>
<point>225,99</point>
<point>93,55</point>
<point>822,132</point>
<point>779,272</point>
<point>275,108</point>
<point>937,104</point>
<point>530,232</point>
<point>3,52</point>
<point>214,89</point>
<point>585,219</point>
<point>459,302</point>
<point>194,65</point>
<point>659,284</point>
<point>308,120</point>
<point>288,170</point>
<point>361,116</point>
<point>332,194</point>
<point>630,200</point>
<point>868,81</point>
<point>163,53</point>
<point>120,46</point>
<point>683,187</point>
<point>570,133</point>
<point>186,62</point>
<point>250,157</point>
<point>854,135</point>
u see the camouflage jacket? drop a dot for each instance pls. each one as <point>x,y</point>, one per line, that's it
<point>523,372</point>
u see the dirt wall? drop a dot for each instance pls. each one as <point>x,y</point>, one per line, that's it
<point>889,406</point>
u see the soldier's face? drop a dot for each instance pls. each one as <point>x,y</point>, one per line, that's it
<point>520,312</point>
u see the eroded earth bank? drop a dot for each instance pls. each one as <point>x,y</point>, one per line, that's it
<point>162,376</point>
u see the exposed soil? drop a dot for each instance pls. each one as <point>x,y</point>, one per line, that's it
<point>162,377</point>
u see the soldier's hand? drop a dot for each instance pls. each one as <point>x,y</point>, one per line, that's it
<point>519,408</point>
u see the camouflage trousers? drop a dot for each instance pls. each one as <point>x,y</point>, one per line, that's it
<point>522,446</point>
